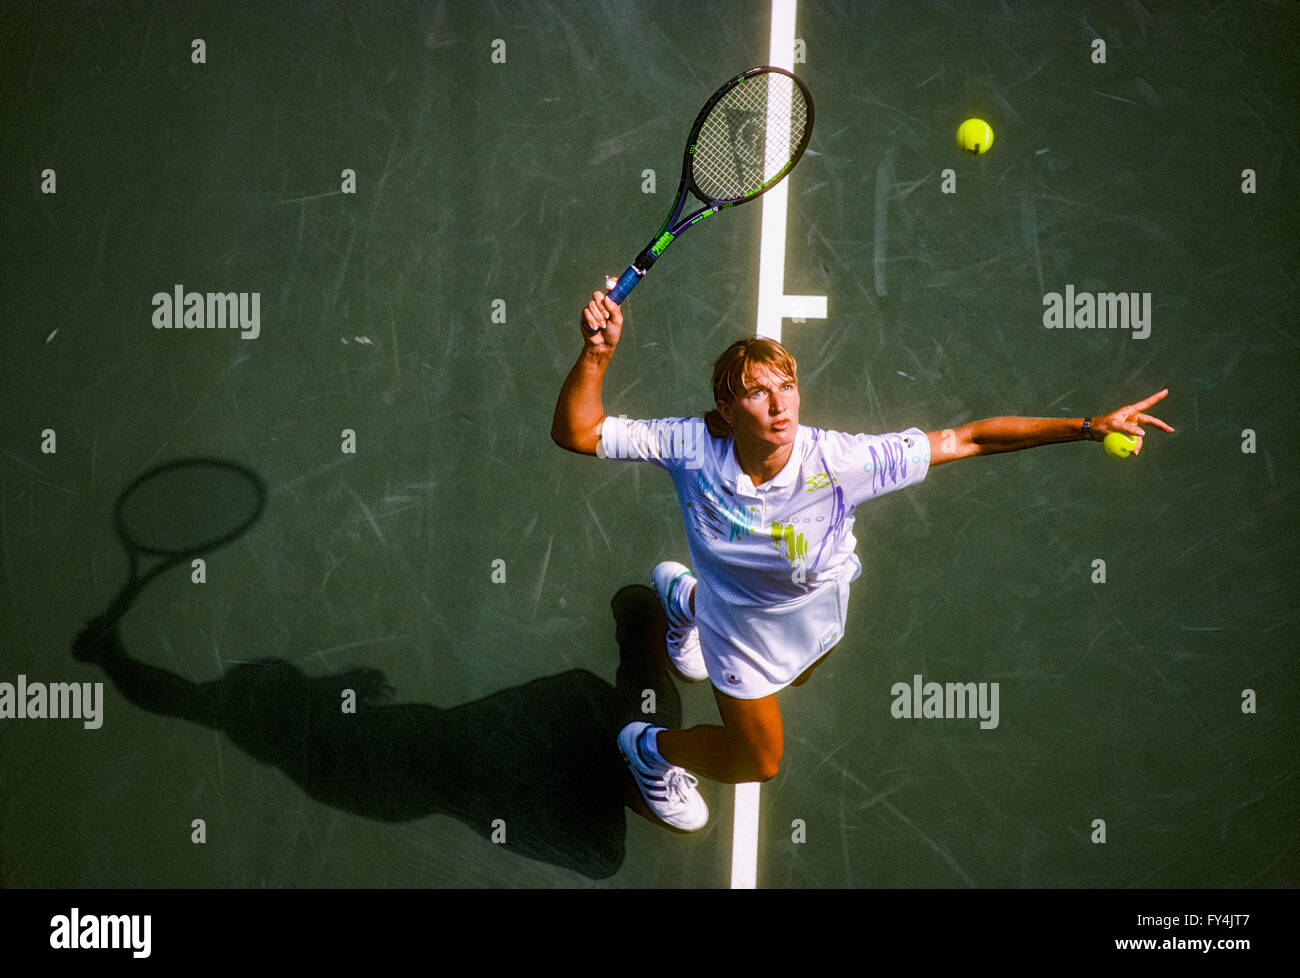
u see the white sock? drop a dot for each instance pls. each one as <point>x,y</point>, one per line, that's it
<point>680,599</point>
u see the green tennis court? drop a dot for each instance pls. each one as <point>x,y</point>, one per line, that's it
<point>402,209</point>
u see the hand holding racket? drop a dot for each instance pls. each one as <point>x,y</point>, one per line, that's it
<point>747,137</point>
<point>602,323</point>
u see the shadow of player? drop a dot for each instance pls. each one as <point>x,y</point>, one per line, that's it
<point>541,756</point>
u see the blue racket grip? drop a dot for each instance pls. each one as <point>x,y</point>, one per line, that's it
<point>625,284</point>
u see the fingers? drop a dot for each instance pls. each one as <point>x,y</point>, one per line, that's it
<point>1143,405</point>
<point>1138,411</point>
<point>1148,419</point>
<point>1130,418</point>
<point>609,307</point>
<point>594,316</point>
<point>598,315</point>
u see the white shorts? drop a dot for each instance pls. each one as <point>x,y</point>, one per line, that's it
<point>752,652</point>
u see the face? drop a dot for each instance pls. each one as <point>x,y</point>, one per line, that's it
<point>768,411</point>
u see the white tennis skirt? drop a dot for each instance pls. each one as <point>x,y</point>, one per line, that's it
<point>752,652</point>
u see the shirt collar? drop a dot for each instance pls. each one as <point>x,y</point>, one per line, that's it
<point>740,482</point>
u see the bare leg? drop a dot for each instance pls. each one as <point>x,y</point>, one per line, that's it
<point>747,747</point>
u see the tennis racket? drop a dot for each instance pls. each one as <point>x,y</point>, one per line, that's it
<point>177,511</point>
<point>747,137</point>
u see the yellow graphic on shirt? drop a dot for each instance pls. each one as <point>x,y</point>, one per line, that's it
<point>791,545</point>
<point>819,480</point>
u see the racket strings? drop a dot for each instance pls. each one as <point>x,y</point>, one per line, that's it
<point>749,137</point>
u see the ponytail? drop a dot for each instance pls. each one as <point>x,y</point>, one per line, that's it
<point>717,425</point>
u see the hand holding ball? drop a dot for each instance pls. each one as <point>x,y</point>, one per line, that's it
<point>1132,416</point>
<point>1121,446</point>
<point>975,136</point>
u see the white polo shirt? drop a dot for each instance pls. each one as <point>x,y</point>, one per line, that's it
<point>774,561</point>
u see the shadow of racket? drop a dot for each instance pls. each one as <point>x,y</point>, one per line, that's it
<point>176,512</point>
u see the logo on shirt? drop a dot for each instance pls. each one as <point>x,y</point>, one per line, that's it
<point>733,680</point>
<point>819,481</point>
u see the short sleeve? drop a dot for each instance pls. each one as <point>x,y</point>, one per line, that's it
<point>669,443</point>
<point>867,466</point>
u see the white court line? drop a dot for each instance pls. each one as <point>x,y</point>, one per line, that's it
<point>744,838</point>
<point>773,306</point>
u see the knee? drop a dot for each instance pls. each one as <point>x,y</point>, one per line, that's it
<point>767,769</point>
<point>762,765</point>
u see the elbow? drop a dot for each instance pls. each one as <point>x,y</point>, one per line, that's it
<point>565,438</point>
<point>575,437</point>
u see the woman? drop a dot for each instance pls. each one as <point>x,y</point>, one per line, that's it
<point>768,506</point>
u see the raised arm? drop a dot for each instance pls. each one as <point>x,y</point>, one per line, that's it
<point>994,435</point>
<point>579,412</point>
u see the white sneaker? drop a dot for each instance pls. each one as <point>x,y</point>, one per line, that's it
<point>683,637</point>
<point>671,793</point>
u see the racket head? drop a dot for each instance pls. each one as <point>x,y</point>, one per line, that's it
<point>187,507</point>
<point>748,136</point>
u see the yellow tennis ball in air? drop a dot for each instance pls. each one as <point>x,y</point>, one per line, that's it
<point>1121,446</point>
<point>975,136</point>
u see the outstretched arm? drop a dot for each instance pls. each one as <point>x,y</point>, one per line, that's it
<point>994,435</point>
<point>579,412</point>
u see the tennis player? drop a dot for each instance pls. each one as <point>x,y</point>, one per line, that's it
<point>769,506</point>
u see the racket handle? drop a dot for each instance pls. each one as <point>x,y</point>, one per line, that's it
<point>625,285</point>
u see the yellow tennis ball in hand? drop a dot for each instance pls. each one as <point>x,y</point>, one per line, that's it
<point>1121,446</point>
<point>975,136</point>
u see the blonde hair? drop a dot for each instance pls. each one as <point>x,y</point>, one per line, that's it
<point>733,374</point>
